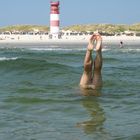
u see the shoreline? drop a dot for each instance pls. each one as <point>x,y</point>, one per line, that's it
<point>65,40</point>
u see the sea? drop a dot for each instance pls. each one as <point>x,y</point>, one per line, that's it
<point>40,97</point>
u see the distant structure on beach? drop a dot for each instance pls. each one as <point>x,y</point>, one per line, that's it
<point>54,20</point>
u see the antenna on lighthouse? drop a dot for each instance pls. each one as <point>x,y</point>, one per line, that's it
<point>54,20</point>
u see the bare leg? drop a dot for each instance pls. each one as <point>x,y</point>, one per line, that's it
<point>86,78</point>
<point>97,77</point>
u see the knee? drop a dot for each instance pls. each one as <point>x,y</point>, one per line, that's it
<point>87,66</point>
<point>98,67</point>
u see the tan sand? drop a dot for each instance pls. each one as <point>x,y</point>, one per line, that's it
<point>44,39</point>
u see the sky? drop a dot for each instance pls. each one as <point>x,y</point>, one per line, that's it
<point>72,12</point>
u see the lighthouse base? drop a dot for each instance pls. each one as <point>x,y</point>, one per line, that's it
<point>55,36</point>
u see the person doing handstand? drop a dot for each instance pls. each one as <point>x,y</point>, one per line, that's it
<point>92,78</point>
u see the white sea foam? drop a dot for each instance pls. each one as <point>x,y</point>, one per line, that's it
<point>8,58</point>
<point>63,49</point>
<point>56,49</point>
<point>131,50</point>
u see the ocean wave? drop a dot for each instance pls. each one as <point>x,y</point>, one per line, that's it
<point>8,58</point>
<point>62,49</point>
<point>30,65</point>
<point>131,50</point>
<point>104,49</point>
<point>57,49</point>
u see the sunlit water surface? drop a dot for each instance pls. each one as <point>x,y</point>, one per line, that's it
<point>40,98</point>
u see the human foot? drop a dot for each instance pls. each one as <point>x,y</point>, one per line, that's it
<point>98,42</point>
<point>92,38</point>
<point>91,42</point>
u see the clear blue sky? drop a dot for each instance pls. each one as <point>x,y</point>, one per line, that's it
<point>13,12</point>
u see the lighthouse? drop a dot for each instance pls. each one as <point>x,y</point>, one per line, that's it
<point>54,20</point>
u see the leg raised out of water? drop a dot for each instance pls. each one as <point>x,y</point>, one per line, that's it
<point>86,78</point>
<point>97,76</point>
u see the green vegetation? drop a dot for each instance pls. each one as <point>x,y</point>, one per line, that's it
<point>107,28</point>
<point>26,28</point>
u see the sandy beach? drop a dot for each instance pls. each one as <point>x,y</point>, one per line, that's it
<point>44,39</point>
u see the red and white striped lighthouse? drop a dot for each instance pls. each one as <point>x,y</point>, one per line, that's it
<point>54,20</point>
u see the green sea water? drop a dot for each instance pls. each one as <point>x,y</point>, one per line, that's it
<point>40,98</point>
